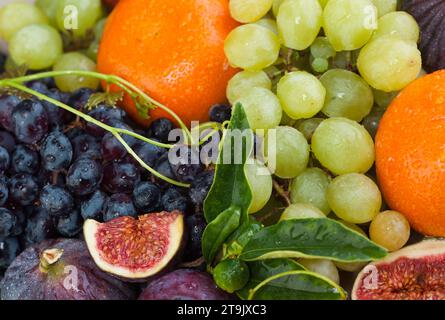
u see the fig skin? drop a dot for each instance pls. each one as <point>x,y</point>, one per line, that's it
<point>430,15</point>
<point>25,279</point>
<point>183,284</point>
<point>415,272</point>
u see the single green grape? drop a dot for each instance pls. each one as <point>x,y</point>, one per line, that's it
<point>299,22</point>
<point>75,61</point>
<point>384,99</point>
<point>277,3</point>
<point>310,187</point>
<point>247,11</point>
<point>349,24</point>
<point>287,151</point>
<point>390,229</point>
<point>269,24</point>
<point>49,8</point>
<point>15,16</point>
<point>343,146</point>
<point>78,16</point>
<point>354,198</point>
<point>389,63</point>
<point>301,211</point>
<point>93,49</point>
<point>301,94</point>
<point>372,121</point>
<point>322,48</point>
<point>347,95</point>
<point>323,267</point>
<point>308,126</point>
<point>252,47</point>
<point>231,275</point>
<point>385,6</point>
<point>36,45</point>
<point>260,181</point>
<point>262,108</point>
<point>320,65</point>
<point>244,80</point>
<point>399,24</point>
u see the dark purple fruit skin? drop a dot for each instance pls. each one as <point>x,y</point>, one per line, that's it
<point>24,280</point>
<point>183,284</point>
<point>430,15</point>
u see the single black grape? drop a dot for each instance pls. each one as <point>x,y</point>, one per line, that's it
<point>84,176</point>
<point>4,191</point>
<point>57,117</point>
<point>57,201</point>
<point>56,151</point>
<point>195,225</point>
<point>70,225</point>
<point>21,221</point>
<point>30,121</point>
<point>147,197</point>
<point>8,221</point>
<point>86,146</point>
<point>173,200</point>
<point>7,105</point>
<point>111,148</point>
<point>79,98</point>
<point>23,189</point>
<point>39,86</point>
<point>94,207</point>
<point>120,177</point>
<point>39,226</point>
<point>220,113</point>
<point>164,167</point>
<point>104,114</point>
<point>5,159</point>
<point>160,129</point>
<point>9,250</point>
<point>200,187</point>
<point>149,153</point>
<point>119,205</point>
<point>7,140</point>
<point>25,160</point>
<point>186,164</point>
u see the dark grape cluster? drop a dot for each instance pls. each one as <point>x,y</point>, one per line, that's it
<point>56,171</point>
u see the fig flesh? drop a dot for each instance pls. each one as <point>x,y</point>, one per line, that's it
<point>183,284</point>
<point>135,248</point>
<point>430,15</point>
<point>60,269</point>
<point>416,272</point>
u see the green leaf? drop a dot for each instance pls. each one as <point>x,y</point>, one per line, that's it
<point>217,232</point>
<point>297,285</point>
<point>230,186</point>
<point>143,107</point>
<point>311,238</point>
<point>108,98</point>
<point>264,269</point>
<point>237,241</point>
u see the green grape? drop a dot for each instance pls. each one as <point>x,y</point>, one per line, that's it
<point>299,22</point>
<point>301,211</point>
<point>75,61</point>
<point>15,16</point>
<point>269,24</point>
<point>354,197</point>
<point>245,80</point>
<point>36,45</point>
<point>372,121</point>
<point>343,146</point>
<point>321,48</point>
<point>262,108</point>
<point>323,267</point>
<point>260,181</point>
<point>252,47</point>
<point>246,11</point>
<point>349,24</point>
<point>301,94</point>
<point>320,65</point>
<point>389,64</point>
<point>49,7</point>
<point>231,275</point>
<point>385,6</point>
<point>78,16</point>
<point>308,126</point>
<point>347,95</point>
<point>277,3</point>
<point>384,99</point>
<point>310,187</point>
<point>399,24</point>
<point>93,49</point>
<point>99,28</point>
<point>287,151</point>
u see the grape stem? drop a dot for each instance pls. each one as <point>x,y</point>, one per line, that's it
<point>15,83</point>
<point>279,189</point>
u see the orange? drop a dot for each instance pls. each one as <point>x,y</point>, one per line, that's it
<point>173,50</point>
<point>410,151</point>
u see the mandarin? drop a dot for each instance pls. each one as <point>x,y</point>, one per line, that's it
<point>173,50</point>
<point>410,154</point>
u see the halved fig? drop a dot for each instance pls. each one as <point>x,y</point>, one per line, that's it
<point>135,248</point>
<point>416,272</point>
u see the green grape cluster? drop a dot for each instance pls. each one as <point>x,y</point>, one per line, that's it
<point>317,77</point>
